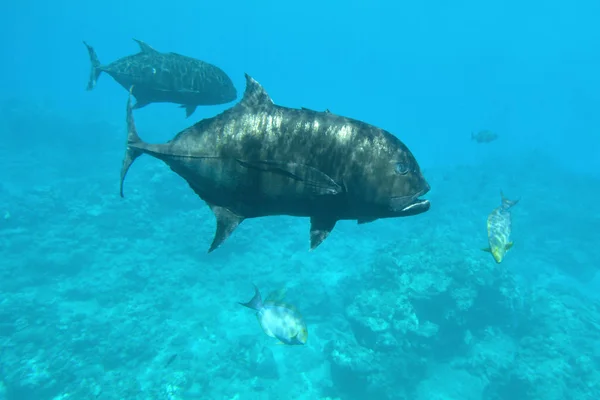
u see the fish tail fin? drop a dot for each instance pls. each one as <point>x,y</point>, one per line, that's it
<point>95,71</point>
<point>256,302</point>
<point>133,149</point>
<point>507,203</point>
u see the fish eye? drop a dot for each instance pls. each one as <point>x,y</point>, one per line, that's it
<point>401,168</point>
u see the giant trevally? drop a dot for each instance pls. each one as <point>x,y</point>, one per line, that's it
<point>259,159</point>
<point>166,77</point>
<point>499,226</point>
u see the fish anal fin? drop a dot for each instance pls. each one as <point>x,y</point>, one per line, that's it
<point>361,221</point>
<point>227,221</point>
<point>144,47</point>
<point>255,95</point>
<point>140,103</point>
<point>189,110</point>
<point>489,250</point>
<point>509,245</point>
<point>320,228</point>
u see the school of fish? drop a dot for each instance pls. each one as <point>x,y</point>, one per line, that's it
<point>259,159</point>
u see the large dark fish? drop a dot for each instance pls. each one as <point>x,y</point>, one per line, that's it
<point>258,159</point>
<point>166,77</point>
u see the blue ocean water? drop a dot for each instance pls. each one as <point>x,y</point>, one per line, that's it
<point>110,298</point>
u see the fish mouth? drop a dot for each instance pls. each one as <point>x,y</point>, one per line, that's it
<point>418,206</point>
<point>410,205</point>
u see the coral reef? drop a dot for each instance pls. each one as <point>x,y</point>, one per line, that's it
<point>103,297</point>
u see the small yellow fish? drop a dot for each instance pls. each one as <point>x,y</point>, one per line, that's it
<point>499,228</point>
<point>279,320</point>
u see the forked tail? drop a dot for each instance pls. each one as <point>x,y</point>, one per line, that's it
<point>96,71</point>
<point>256,302</point>
<point>131,151</point>
<point>507,203</point>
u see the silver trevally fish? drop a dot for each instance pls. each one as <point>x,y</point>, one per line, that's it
<point>279,320</point>
<point>499,228</point>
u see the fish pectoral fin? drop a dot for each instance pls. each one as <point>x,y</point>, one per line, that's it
<point>320,228</point>
<point>227,221</point>
<point>284,341</point>
<point>509,245</point>
<point>487,249</point>
<point>189,109</point>
<point>314,181</point>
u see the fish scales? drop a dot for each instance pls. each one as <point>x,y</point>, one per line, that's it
<point>259,159</point>
<point>499,228</point>
<point>166,77</point>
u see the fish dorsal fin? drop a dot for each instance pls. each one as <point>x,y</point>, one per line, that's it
<point>144,47</point>
<point>277,295</point>
<point>255,95</point>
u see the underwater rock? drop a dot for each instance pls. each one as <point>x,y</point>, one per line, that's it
<point>350,366</point>
<point>263,364</point>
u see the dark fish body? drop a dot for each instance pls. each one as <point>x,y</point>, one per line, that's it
<point>484,136</point>
<point>499,226</point>
<point>259,159</point>
<point>159,77</point>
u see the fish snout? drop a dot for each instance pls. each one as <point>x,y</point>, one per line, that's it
<point>426,187</point>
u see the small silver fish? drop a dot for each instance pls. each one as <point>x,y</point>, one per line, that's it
<point>279,320</point>
<point>499,228</point>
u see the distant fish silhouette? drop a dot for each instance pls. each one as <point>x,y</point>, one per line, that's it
<point>170,360</point>
<point>166,77</point>
<point>484,136</point>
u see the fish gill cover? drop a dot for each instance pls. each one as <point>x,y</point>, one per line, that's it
<point>103,297</point>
